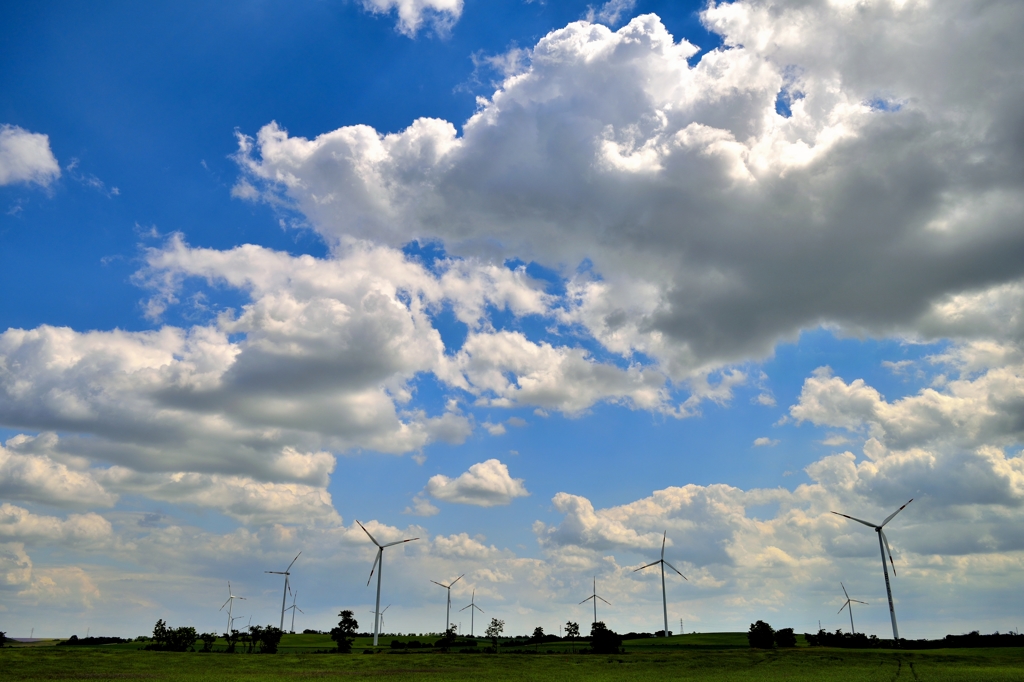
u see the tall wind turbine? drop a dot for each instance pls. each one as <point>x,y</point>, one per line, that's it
<point>378,560</point>
<point>229,603</point>
<point>472,607</point>
<point>293,608</point>
<point>284,596</point>
<point>448,610</point>
<point>849,605</point>
<point>883,545</point>
<point>595,598</point>
<point>664,599</point>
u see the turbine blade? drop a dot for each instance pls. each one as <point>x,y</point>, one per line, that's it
<point>380,551</point>
<point>889,551</point>
<point>843,606</point>
<point>368,534</point>
<point>677,571</point>
<point>860,602</point>
<point>604,600</point>
<point>654,563</point>
<point>866,523</point>
<point>588,599</point>
<point>478,608</point>
<point>889,518</point>
<point>300,610</point>
<point>664,536</point>
<point>439,584</point>
<point>464,608</point>
<point>385,609</point>
<point>292,563</point>
<point>457,580</point>
<point>225,604</point>
<point>844,591</point>
<point>398,542</point>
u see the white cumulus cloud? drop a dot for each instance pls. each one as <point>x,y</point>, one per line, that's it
<point>486,484</point>
<point>26,157</point>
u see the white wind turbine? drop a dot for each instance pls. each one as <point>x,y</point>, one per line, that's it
<point>230,603</point>
<point>382,615</point>
<point>883,546</point>
<point>664,599</point>
<point>595,598</point>
<point>293,608</point>
<point>448,610</point>
<point>284,596</point>
<point>472,607</point>
<point>849,604</point>
<point>378,560</point>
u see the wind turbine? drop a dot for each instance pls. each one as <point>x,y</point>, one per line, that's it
<point>382,615</point>
<point>883,545</point>
<point>849,604</point>
<point>664,599</point>
<point>472,606</point>
<point>230,603</point>
<point>378,560</point>
<point>284,595</point>
<point>293,608</point>
<point>595,598</point>
<point>448,611</point>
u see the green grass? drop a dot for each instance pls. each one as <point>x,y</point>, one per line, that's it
<point>113,662</point>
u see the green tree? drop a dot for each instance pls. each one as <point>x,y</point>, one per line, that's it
<point>761,635</point>
<point>345,632</point>
<point>3,638</point>
<point>604,640</point>
<point>494,631</point>
<point>537,637</point>
<point>208,639</point>
<point>572,631</point>
<point>785,637</point>
<point>172,639</point>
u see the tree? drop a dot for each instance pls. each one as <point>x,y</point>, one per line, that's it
<point>785,637</point>
<point>538,636</point>
<point>208,639</point>
<point>572,631</point>
<point>761,635</point>
<point>604,640</point>
<point>232,639</point>
<point>345,632</point>
<point>172,639</point>
<point>447,639</point>
<point>494,631</point>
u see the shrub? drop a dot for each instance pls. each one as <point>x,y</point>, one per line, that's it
<point>785,637</point>
<point>603,640</point>
<point>761,635</point>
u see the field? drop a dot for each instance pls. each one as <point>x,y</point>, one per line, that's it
<point>721,656</point>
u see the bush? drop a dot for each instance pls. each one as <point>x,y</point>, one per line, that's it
<point>785,637</point>
<point>208,639</point>
<point>761,635</point>
<point>172,639</point>
<point>603,640</point>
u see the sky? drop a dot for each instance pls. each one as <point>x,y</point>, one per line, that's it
<point>537,283</point>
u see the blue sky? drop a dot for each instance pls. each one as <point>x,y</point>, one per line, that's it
<point>532,281</point>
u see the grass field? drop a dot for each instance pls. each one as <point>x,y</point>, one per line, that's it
<point>721,656</point>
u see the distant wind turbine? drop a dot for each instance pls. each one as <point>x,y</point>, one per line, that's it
<point>664,599</point>
<point>230,603</point>
<point>378,560</point>
<point>293,608</point>
<point>595,598</point>
<point>849,605</point>
<point>883,546</point>
<point>472,607</point>
<point>448,610</point>
<point>284,596</point>
<point>382,615</point>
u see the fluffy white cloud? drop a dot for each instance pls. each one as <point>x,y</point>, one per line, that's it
<point>20,525</point>
<point>26,157</point>
<point>889,198</point>
<point>38,478</point>
<point>412,13</point>
<point>486,484</point>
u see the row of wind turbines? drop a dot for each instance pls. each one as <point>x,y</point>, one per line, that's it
<point>378,568</point>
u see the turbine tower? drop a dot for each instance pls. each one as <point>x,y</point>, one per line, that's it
<point>448,610</point>
<point>472,607</point>
<point>849,604</point>
<point>378,560</point>
<point>284,596</point>
<point>883,545</point>
<point>229,603</point>
<point>293,608</point>
<point>664,599</point>
<point>595,598</point>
